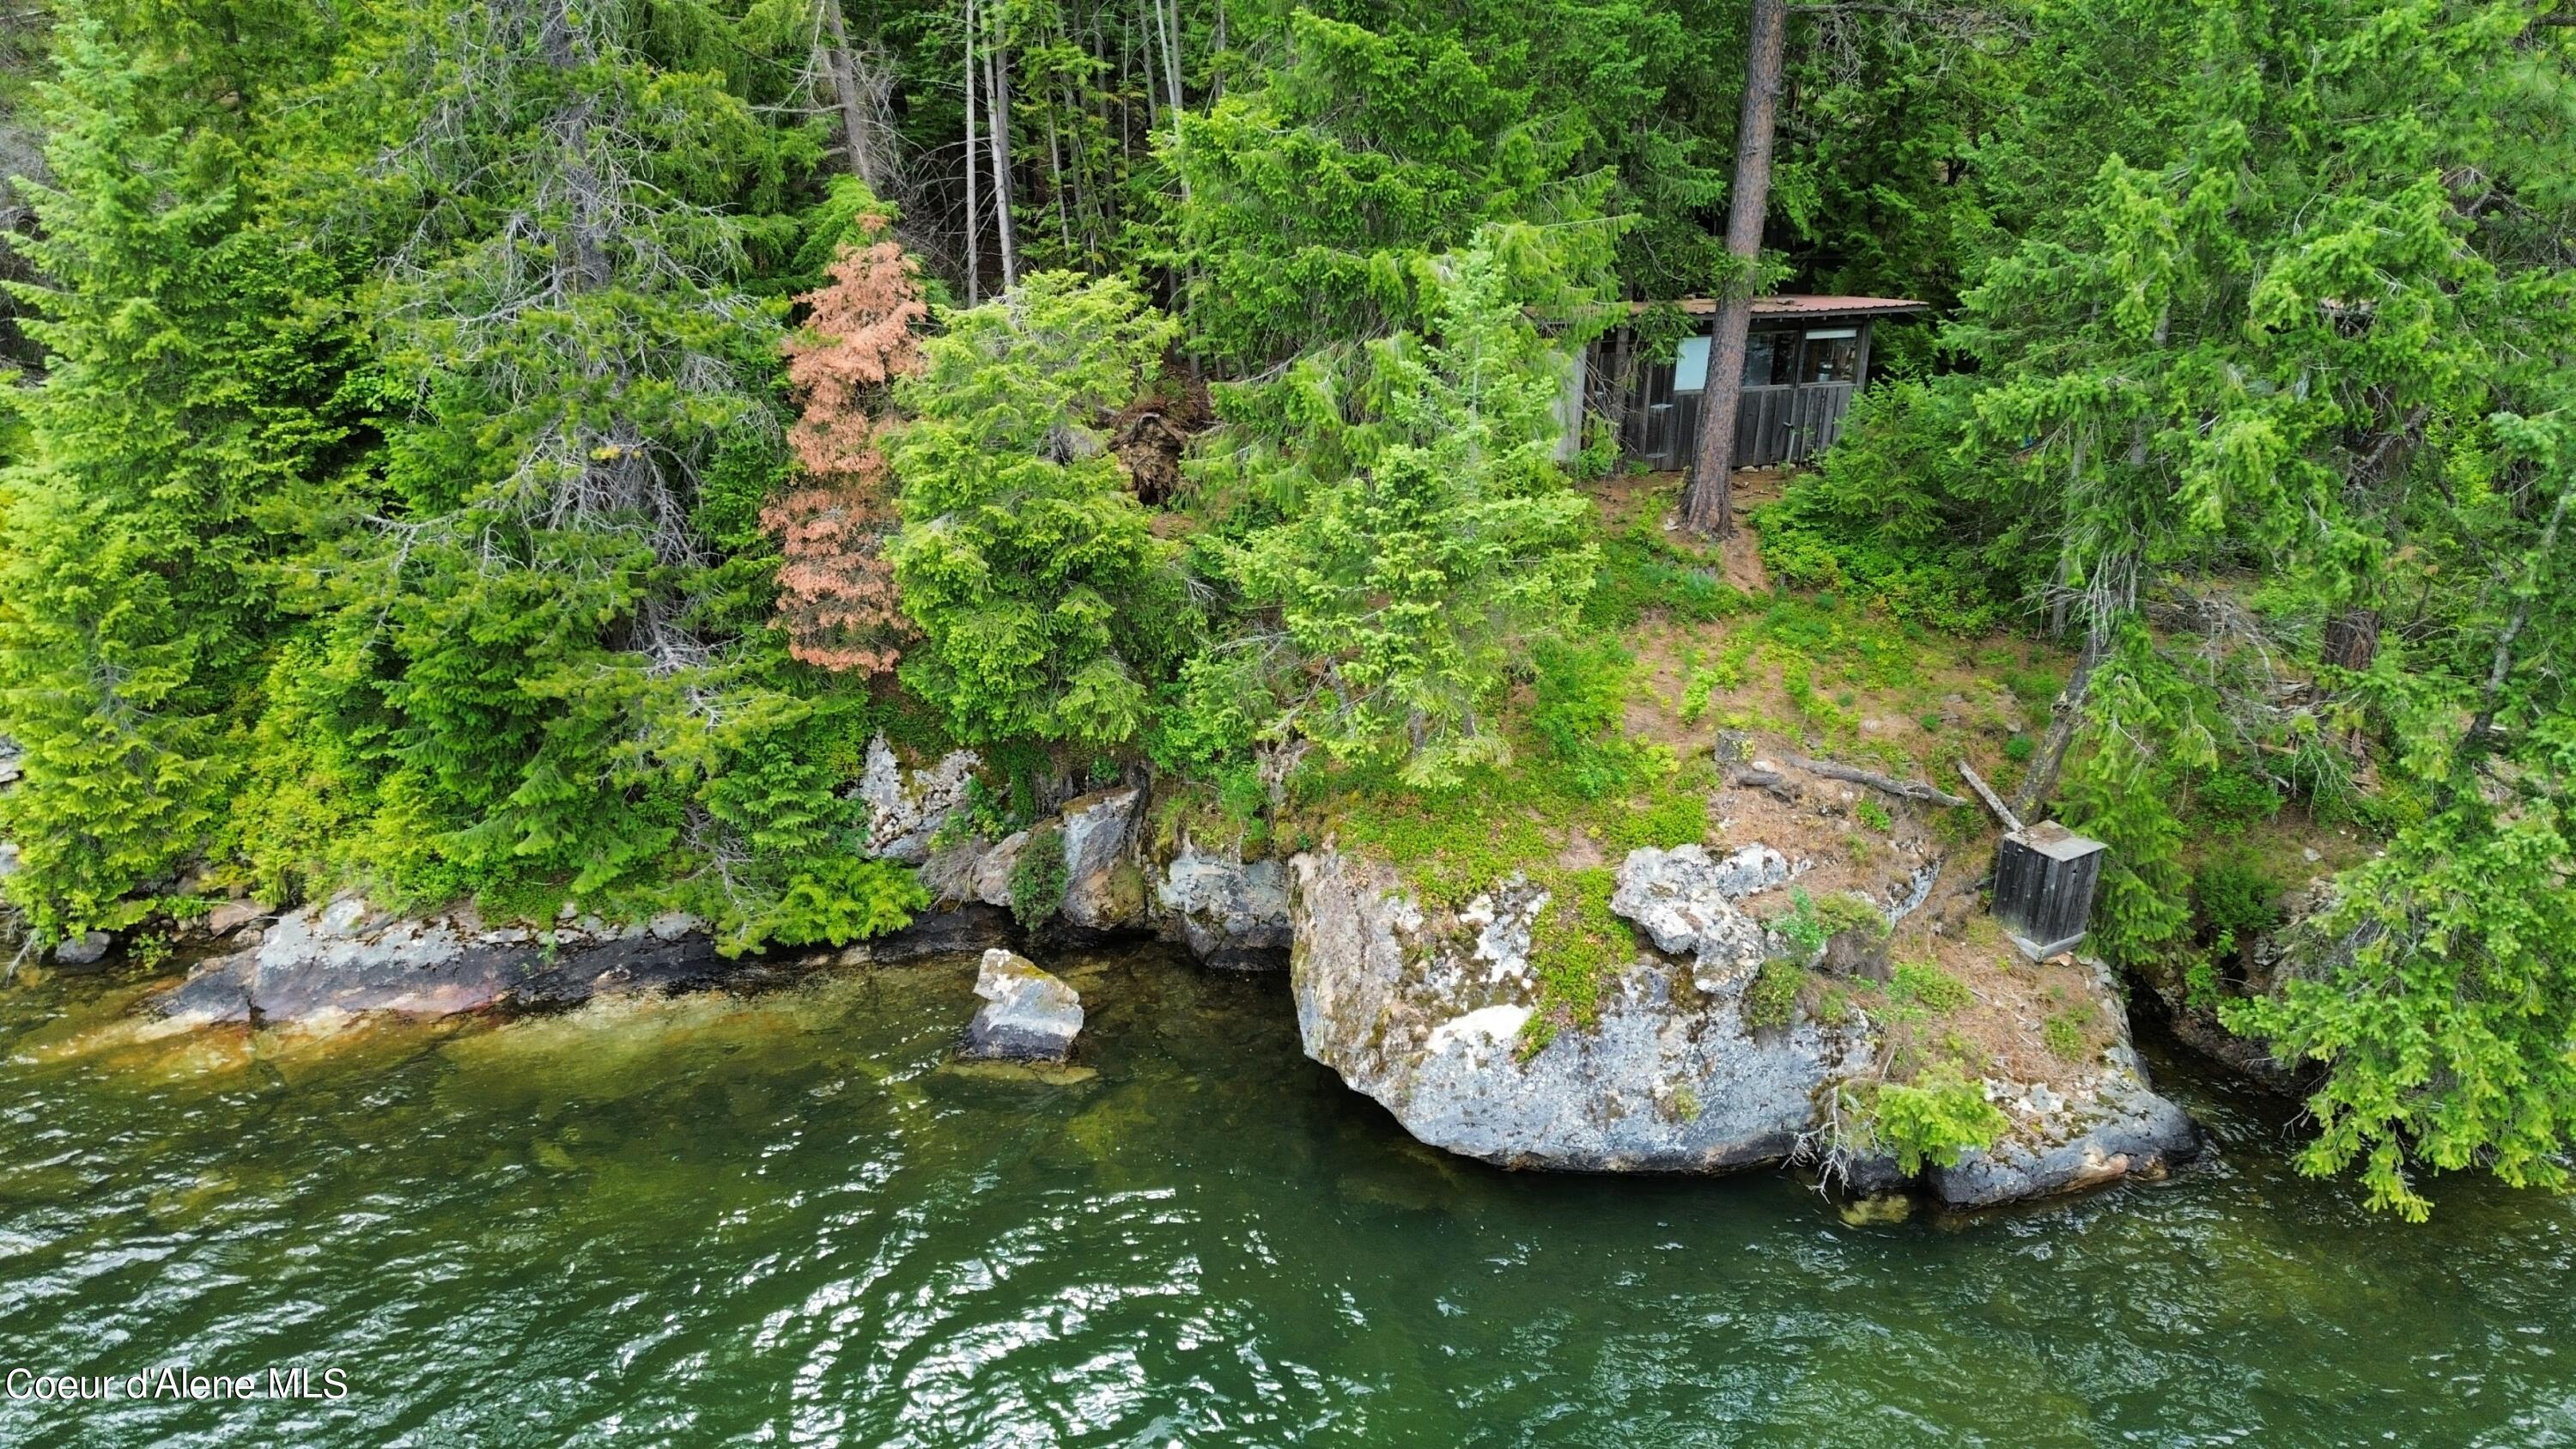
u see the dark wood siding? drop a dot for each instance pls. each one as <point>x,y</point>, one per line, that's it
<point>1774,424</point>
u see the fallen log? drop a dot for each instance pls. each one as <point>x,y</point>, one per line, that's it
<point>1902,789</point>
<point>1986,793</point>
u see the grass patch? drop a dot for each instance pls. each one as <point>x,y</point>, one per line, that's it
<point>1923,984</point>
<point>2067,1035</point>
<point>1772,999</point>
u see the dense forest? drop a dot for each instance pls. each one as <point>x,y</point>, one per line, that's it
<point>525,451</point>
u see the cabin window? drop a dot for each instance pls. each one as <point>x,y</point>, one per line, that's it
<point>1833,355</point>
<point>1770,358</point>
<point>1690,365</point>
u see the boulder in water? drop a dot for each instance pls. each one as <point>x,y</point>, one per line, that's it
<point>1028,1015</point>
<point>1425,1011</point>
<point>86,949</point>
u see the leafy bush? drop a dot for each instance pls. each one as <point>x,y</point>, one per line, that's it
<point>1039,877</point>
<point>2232,798</point>
<point>1579,698</point>
<point>837,899</point>
<point>1931,1119</point>
<point>1800,924</point>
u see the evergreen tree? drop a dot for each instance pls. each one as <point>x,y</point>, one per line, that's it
<point>187,401</point>
<point>1431,538</point>
<point>1048,608</point>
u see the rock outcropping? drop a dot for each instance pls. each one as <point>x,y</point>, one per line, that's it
<point>1231,913</point>
<point>2109,1126</point>
<point>905,809</point>
<point>1429,1012</point>
<point>1424,1010</point>
<point>1027,1016</point>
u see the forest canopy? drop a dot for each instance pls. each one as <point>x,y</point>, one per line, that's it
<point>526,451</point>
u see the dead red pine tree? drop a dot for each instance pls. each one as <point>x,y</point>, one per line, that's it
<point>836,595</point>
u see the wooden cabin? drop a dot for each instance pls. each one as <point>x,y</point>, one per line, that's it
<point>1803,360</point>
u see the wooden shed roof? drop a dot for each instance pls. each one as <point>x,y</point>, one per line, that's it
<point>1802,305</point>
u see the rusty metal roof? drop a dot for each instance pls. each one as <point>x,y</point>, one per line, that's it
<point>1802,305</point>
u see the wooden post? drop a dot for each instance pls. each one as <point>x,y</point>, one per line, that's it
<point>1708,505</point>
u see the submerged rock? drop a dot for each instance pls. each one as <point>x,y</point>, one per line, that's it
<point>347,957</point>
<point>1028,1015</point>
<point>1424,1011</point>
<point>1231,913</point>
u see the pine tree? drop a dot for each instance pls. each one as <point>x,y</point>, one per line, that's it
<point>187,402</point>
<point>836,594</point>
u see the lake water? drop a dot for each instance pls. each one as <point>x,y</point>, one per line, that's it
<point>783,1219</point>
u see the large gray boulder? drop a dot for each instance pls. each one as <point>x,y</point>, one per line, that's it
<point>1028,1015</point>
<point>1231,913</point>
<point>1685,901</point>
<point>1104,887</point>
<point>906,808</point>
<point>1425,1011</point>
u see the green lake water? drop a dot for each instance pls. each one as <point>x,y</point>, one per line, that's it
<point>782,1219</point>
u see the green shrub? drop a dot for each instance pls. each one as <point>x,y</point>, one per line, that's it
<point>2019,749</point>
<point>1580,696</point>
<point>839,900</point>
<point>1875,816</point>
<point>1772,998</point>
<point>1928,986</point>
<point>1802,926</point>
<point>1039,877</point>
<point>1931,1119</point>
<point>2231,799</point>
<point>2233,900</point>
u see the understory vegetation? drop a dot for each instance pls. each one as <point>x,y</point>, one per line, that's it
<point>526,452</point>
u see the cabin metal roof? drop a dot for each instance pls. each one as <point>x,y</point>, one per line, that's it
<point>1802,305</point>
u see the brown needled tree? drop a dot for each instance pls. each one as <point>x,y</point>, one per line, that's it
<point>836,595</point>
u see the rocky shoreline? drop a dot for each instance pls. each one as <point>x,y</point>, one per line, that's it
<point>1422,1009</point>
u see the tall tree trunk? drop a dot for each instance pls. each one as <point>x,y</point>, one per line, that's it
<point>856,133</point>
<point>2352,639</point>
<point>998,93</point>
<point>974,257</point>
<point>1708,505</point>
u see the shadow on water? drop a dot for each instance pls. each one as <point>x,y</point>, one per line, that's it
<point>788,1217</point>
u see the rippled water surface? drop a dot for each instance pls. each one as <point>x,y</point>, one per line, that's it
<point>783,1219</point>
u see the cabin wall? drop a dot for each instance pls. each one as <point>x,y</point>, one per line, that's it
<point>1783,422</point>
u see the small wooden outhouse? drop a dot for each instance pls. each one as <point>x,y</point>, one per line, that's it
<point>1803,359</point>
